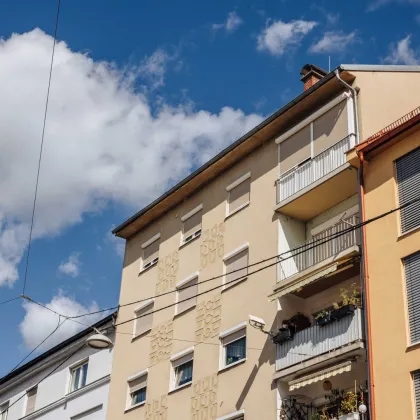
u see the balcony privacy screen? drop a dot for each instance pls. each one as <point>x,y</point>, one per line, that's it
<point>412,278</point>
<point>187,291</point>
<point>295,149</point>
<point>144,319</point>
<point>416,380</point>
<point>150,252</point>
<point>408,178</point>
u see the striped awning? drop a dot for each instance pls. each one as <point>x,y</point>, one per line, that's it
<point>282,291</point>
<point>320,375</point>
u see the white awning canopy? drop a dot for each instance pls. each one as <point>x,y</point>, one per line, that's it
<point>320,375</point>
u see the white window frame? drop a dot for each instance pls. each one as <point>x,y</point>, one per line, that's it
<point>145,245</point>
<point>228,256</point>
<point>72,368</point>
<point>138,309</point>
<point>186,217</point>
<point>237,415</point>
<point>182,284</point>
<point>230,187</point>
<point>222,352</point>
<point>132,378</point>
<point>4,416</point>
<point>351,127</point>
<point>174,365</point>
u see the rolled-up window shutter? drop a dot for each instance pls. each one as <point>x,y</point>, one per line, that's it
<point>237,262</point>
<point>416,380</point>
<point>30,404</point>
<point>295,149</point>
<point>412,278</point>
<point>138,383</point>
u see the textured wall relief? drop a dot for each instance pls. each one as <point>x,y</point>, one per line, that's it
<point>204,400</point>
<point>161,342</point>
<point>168,269</point>
<point>157,409</point>
<point>208,318</point>
<point>212,245</point>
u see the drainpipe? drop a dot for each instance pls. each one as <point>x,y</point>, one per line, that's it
<point>364,263</point>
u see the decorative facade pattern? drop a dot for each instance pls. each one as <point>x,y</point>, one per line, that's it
<point>208,318</point>
<point>161,342</point>
<point>157,409</point>
<point>212,245</point>
<point>168,270</point>
<point>204,400</point>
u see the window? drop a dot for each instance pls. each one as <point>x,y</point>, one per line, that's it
<point>416,382</point>
<point>3,410</point>
<point>78,376</point>
<point>186,294</point>
<point>237,415</point>
<point>30,400</point>
<point>408,179</point>
<point>191,227</point>
<point>412,279</point>
<point>239,194</point>
<point>236,266</point>
<point>137,389</point>
<point>144,318</point>
<point>182,366</point>
<point>233,343</point>
<point>150,255</point>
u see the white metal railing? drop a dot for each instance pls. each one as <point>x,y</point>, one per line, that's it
<point>314,341</point>
<point>319,248</point>
<point>308,172</point>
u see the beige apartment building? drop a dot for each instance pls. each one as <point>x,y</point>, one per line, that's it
<point>222,327</point>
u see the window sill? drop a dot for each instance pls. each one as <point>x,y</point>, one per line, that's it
<point>188,384</point>
<point>232,365</point>
<point>414,346</point>
<point>408,233</point>
<point>133,407</point>
<point>237,210</point>
<point>233,284</point>
<point>138,336</point>
<point>143,270</point>
<point>184,244</point>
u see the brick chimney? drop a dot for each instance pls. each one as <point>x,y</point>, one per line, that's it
<point>311,74</point>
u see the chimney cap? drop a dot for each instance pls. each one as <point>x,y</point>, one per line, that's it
<point>311,69</point>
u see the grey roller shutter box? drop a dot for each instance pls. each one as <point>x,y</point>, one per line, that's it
<point>408,178</point>
<point>412,278</point>
<point>416,380</point>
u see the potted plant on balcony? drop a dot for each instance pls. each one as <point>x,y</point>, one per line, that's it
<point>285,333</point>
<point>323,318</point>
<point>348,407</point>
<point>350,301</point>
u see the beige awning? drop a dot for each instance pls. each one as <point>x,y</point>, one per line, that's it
<point>320,375</point>
<point>282,291</point>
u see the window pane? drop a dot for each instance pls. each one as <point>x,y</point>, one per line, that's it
<point>236,351</point>
<point>183,373</point>
<point>138,396</point>
<point>84,375</point>
<point>76,378</point>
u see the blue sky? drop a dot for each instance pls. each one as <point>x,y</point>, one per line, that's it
<point>143,93</point>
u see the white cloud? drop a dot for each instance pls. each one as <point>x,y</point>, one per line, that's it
<point>39,322</point>
<point>103,142</point>
<point>71,267</point>
<point>333,41</point>
<point>279,36</point>
<point>375,5</point>
<point>233,22</point>
<point>402,53</point>
<point>153,68</point>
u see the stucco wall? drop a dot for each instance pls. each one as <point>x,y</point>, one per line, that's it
<point>393,359</point>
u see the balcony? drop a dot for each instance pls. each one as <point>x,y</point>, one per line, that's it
<point>314,253</point>
<point>318,183</point>
<point>316,344</point>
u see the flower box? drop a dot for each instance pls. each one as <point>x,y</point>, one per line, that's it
<point>283,335</point>
<point>343,311</point>
<point>324,320</point>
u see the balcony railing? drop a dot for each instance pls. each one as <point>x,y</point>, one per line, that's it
<point>314,169</point>
<point>319,248</point>
<point>315,341</point>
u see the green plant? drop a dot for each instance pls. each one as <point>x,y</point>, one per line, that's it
<point>323,415</point>
<point>322,314</point>
<point>349,403</point>
<point>349,297</point>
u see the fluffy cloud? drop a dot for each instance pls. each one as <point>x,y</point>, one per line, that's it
<point>279,36</point>
<point>375,5</point>
<point>402,53</point>
<point>38,322</point>
<point>71,267</point>
<point>232,23</point>
<point>104,141</point>
<point>153,68</point>
<point>333,41</point>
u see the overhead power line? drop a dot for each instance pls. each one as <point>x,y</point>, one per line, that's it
<point>10,300</point>
<point>41,147</point>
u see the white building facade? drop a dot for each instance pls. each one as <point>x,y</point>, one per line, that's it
<point>77,388</point>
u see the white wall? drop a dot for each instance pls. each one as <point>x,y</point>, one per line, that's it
<point>52,400</point>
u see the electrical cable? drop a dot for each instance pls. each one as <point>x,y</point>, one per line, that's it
<point>10,300</point>
<point>41,147</point>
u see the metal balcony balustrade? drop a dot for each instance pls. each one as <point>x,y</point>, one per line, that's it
<point>313,169</point>
<point>314,251</point>
<point>315,341</point>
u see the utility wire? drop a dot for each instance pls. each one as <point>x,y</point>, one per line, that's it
<point>10,300</point>
<point>41,147</point>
